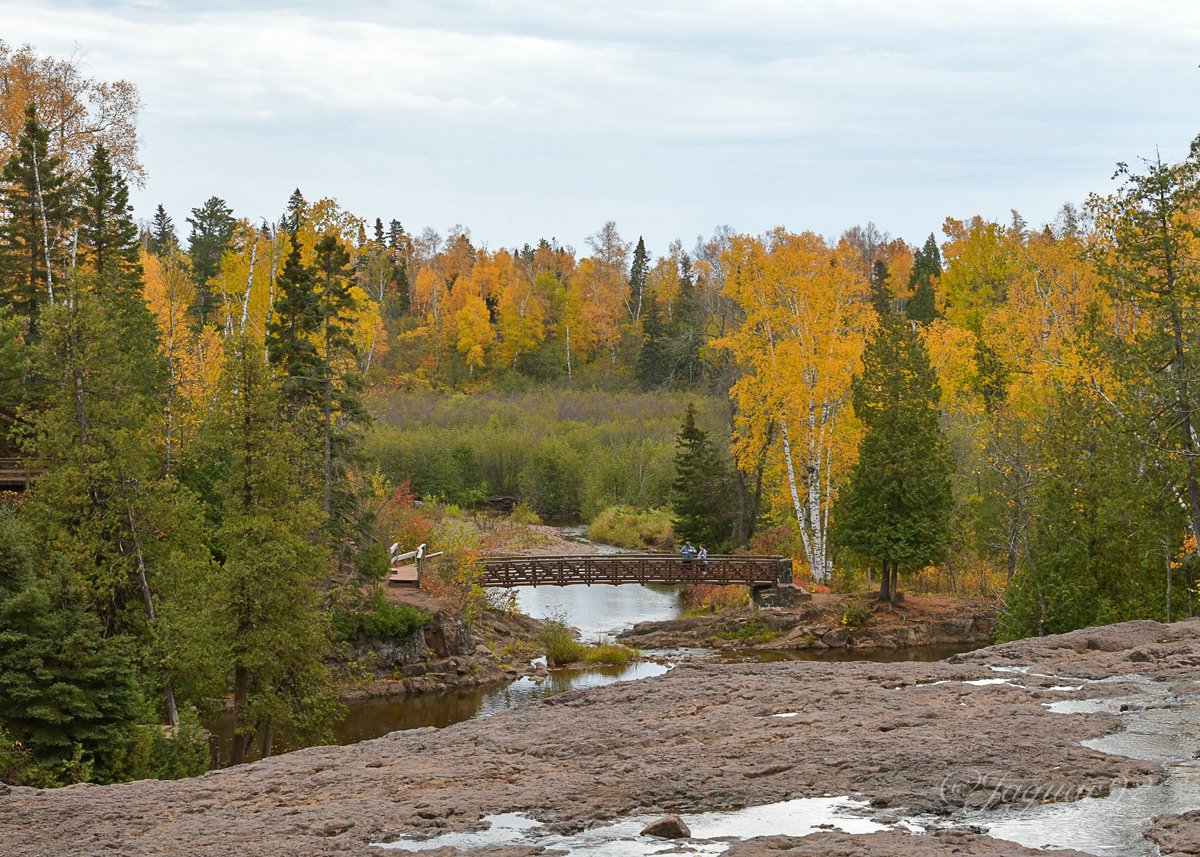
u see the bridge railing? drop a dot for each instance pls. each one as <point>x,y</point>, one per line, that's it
<point>16,474</point>
<point>615,569</point>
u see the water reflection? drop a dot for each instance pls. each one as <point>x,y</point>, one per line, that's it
<point>602,611</point>
<point>372,718</point>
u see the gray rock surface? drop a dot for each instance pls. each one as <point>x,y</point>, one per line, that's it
<point>908,736</point>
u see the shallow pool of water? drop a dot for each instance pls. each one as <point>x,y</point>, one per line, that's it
<point>712,832</point>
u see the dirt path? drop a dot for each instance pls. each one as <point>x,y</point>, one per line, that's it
<point>702,737</point>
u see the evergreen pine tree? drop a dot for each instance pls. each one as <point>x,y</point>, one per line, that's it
<point>163,239</point>
<point>652,369</point>
<point>927,265</point>
<point>341,410</point>
<point>211,231</point>
<point>66,692</point>
<point>294,214</point>
<point>637,279</point>
<point>699,492</point>
<point>686,334</point>
<point>267,599</point>
<point>107,234</point>
<point>296,320</point>
<point>895,507</point>
<point>37,201</point>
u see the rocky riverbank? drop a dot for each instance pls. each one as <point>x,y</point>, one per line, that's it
<point>828,621</point>
<point>445,654</point>
<point>940,738</point>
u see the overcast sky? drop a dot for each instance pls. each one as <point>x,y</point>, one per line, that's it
<point>528,119</point>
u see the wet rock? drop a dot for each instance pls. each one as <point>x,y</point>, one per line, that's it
<point>693,740</point>
<point>667,827</point>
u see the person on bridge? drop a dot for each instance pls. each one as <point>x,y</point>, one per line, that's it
<point>703,554</point>
<point>687,553</point>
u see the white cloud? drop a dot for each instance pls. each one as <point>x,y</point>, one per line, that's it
<point>525,119</point>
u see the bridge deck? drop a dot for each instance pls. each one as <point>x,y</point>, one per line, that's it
<point>616,569</point>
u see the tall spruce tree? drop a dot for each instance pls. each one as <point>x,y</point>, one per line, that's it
<point>895,508</point>
<point>341,410</point>
<point>703,509</point>
<point>294,215</point>
<point>653,362</point>
<point>211,231</point>
<point>296,319</point>
<point>637,280</point>
<point>163,239</point>
<point>107,234</point>
<point>686,335</point>
<point>37,202</point>
<point>266,601</point>
<point>927,266</point>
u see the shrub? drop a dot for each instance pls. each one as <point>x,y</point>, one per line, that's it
<point>855,614</point>
<point>382,621</point>
<point>525,514</point>
<point>558,639</point>
<point>753,632</point>
<point>630,528</point>
<point>700,598</point>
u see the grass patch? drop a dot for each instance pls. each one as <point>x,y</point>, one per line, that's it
<point>631,528</point>
<point>611,654</point>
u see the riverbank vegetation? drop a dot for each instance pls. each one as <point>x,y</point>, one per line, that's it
<point>227,430</point>
<point>563,647</point>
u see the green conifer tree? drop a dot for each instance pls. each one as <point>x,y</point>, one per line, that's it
<point>163,239</point>
<point>637,280</point>
<point>107,234</point>
<point>927,266</point>
<point>37,202</point>
<point>66,692</point>
<point>895,507</point>
<point>267,601</point>
<point>686,335</point>
<point>296,320</point>
<point>703,509</point>
<point>652,368</point>
<point>341,410</point>
<point>211,231</point>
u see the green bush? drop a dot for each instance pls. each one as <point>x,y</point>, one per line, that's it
<point>559,641</point>
<point>855,614</point>
<point>753,632</point>
<point>382,621</point>
<point>627,527</point>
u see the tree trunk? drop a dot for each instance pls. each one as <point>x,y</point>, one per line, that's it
<point>885,590</point>
<point>241,694</point>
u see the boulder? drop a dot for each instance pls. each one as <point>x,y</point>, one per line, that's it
<point>667,827</point>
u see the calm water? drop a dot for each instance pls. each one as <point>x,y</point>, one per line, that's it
<point>599,613</point>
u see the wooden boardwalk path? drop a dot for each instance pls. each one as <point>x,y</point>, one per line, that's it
<point>753,571</point>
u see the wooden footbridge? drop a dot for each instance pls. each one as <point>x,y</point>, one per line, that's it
<point>615,569</point>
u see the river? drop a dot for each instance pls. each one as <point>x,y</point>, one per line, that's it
<point>599,613</point>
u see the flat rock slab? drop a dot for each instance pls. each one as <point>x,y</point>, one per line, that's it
<point>907,736</point>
